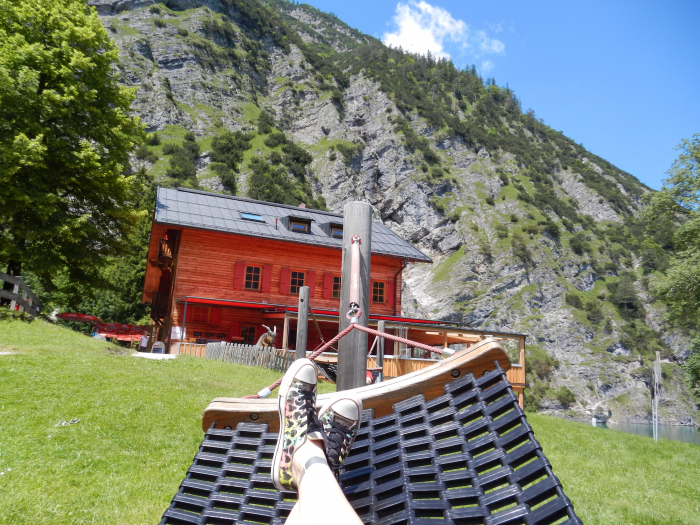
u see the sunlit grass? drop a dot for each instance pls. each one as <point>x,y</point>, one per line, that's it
<point>140,426</point>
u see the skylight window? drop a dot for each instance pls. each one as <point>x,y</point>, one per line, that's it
<point>251,217</point>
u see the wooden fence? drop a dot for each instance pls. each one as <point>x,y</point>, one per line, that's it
<point>265,357</point>
<point>22,298</point>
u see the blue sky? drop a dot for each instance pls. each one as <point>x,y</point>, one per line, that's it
<point>620,77</point>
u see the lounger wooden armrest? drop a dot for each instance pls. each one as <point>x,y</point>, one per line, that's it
<point>226,412</point>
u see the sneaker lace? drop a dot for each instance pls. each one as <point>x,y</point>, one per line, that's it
<point>308,407</point>
<point>337,438</point>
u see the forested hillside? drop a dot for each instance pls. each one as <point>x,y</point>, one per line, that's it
<point>529,231</point>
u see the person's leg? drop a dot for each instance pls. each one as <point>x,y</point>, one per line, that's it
<point>320,499</point>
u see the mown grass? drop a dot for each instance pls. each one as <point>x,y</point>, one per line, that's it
<point>140,427</point>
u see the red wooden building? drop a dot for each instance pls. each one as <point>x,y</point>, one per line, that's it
<point>221,267</point>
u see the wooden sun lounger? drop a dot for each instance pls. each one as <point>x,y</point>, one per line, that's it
<point>227,412</point>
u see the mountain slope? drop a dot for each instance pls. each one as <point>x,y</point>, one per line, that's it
<point>529,231</point>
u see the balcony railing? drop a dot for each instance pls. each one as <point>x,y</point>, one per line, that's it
<point>159,306</point>
<point>165,253</point>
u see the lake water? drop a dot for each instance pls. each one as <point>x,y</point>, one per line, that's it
<point>676,433</point>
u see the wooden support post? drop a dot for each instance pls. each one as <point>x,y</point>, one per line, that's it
<point>444,341</point>
<point>352,349</point>
<point>380,351</point>
<point>285,333</point>
<point>184,321</point>
<point>302,323</point>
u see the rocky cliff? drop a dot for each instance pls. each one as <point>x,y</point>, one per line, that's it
<point>529,232</point>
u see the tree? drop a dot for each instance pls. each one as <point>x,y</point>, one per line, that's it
<point>680,199</point>
<point>65,137</point>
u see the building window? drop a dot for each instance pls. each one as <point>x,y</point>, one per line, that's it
<point>297,281</point>
<point>378,295</point>
<point>252,217</point>
<point>200,314</point>
<point>299,226</point>
<point>337,231</point>
<point>336,287</point>
<point>252,277</point>
<point>248,334</point>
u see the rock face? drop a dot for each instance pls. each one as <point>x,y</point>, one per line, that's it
<point>494,268</point>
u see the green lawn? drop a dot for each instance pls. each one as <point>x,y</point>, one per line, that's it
<point>140,427</point>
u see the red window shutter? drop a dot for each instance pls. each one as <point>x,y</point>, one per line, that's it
<point>328,285</point>
<point>234,329</point>
<point>311,282</point>
<point>239,275</point>
<point>266,278</point>
<point>390,293</point>
<point>215,318</point>
<point>190,312</point>
<point>285,279</point>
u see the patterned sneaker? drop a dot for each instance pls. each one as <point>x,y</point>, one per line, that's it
<point>341,418</point>
<point>296,403</point>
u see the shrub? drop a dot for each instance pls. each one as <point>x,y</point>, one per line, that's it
<point>594,312</point>
<point>265,123</point>
<point>501,231</point>
<point>153,140</point>
<point>182,31</point>
<point>574,300</point>
<point>160,23</point>
<point>489,200</point>
<point>579,244</point>
<point>565,396</point>
<point>520,249</point>
<point>275,139</point>
<point>143,153</point>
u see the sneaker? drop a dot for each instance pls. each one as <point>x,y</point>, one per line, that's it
<point>296,402</point>
<point>341,418</point>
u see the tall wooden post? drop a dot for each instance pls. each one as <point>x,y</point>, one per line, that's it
<point>380,351</point>
<point>352,349</point>
<point>302,323</point>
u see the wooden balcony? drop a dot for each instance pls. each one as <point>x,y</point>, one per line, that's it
<point>165,254</point>
<point>159,307</point>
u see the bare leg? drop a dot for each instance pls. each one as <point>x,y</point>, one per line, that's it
<point>320,499</point>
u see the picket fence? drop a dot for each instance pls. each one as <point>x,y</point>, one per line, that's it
<point>265,357</point>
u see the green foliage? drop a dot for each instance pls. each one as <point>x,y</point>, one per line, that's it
<point>579,244</point>
<point>623,294</point>
<point>349,151</point>
<point>227,153</point>
<point>65,136</point>
<point>153,139</point>
<point>275,139</point>
<point>501,230</point>
<point>679,200</point>
<point>521,250</point>
<point>692,368</point>
<point>265,123</point>
<point>565,396</point>
<point>573,300</point>
<point>414,142</point>
<point>159,22</point>
<point>182,167</point>
<point>273,184</point>
<point>120,279</point>
<point>143,153</point>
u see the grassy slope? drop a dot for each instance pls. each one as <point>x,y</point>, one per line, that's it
<point>140,427</point>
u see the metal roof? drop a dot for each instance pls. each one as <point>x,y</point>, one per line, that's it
<point>212,211</point>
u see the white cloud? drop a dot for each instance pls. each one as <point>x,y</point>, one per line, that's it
<point>422,27</point>
<point>489,45</point>
<point>487,66</point>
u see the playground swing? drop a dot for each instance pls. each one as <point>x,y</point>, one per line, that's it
<point>448,442</point>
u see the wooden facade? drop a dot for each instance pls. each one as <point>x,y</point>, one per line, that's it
<point>213,265</point>
<point>206,285</point>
